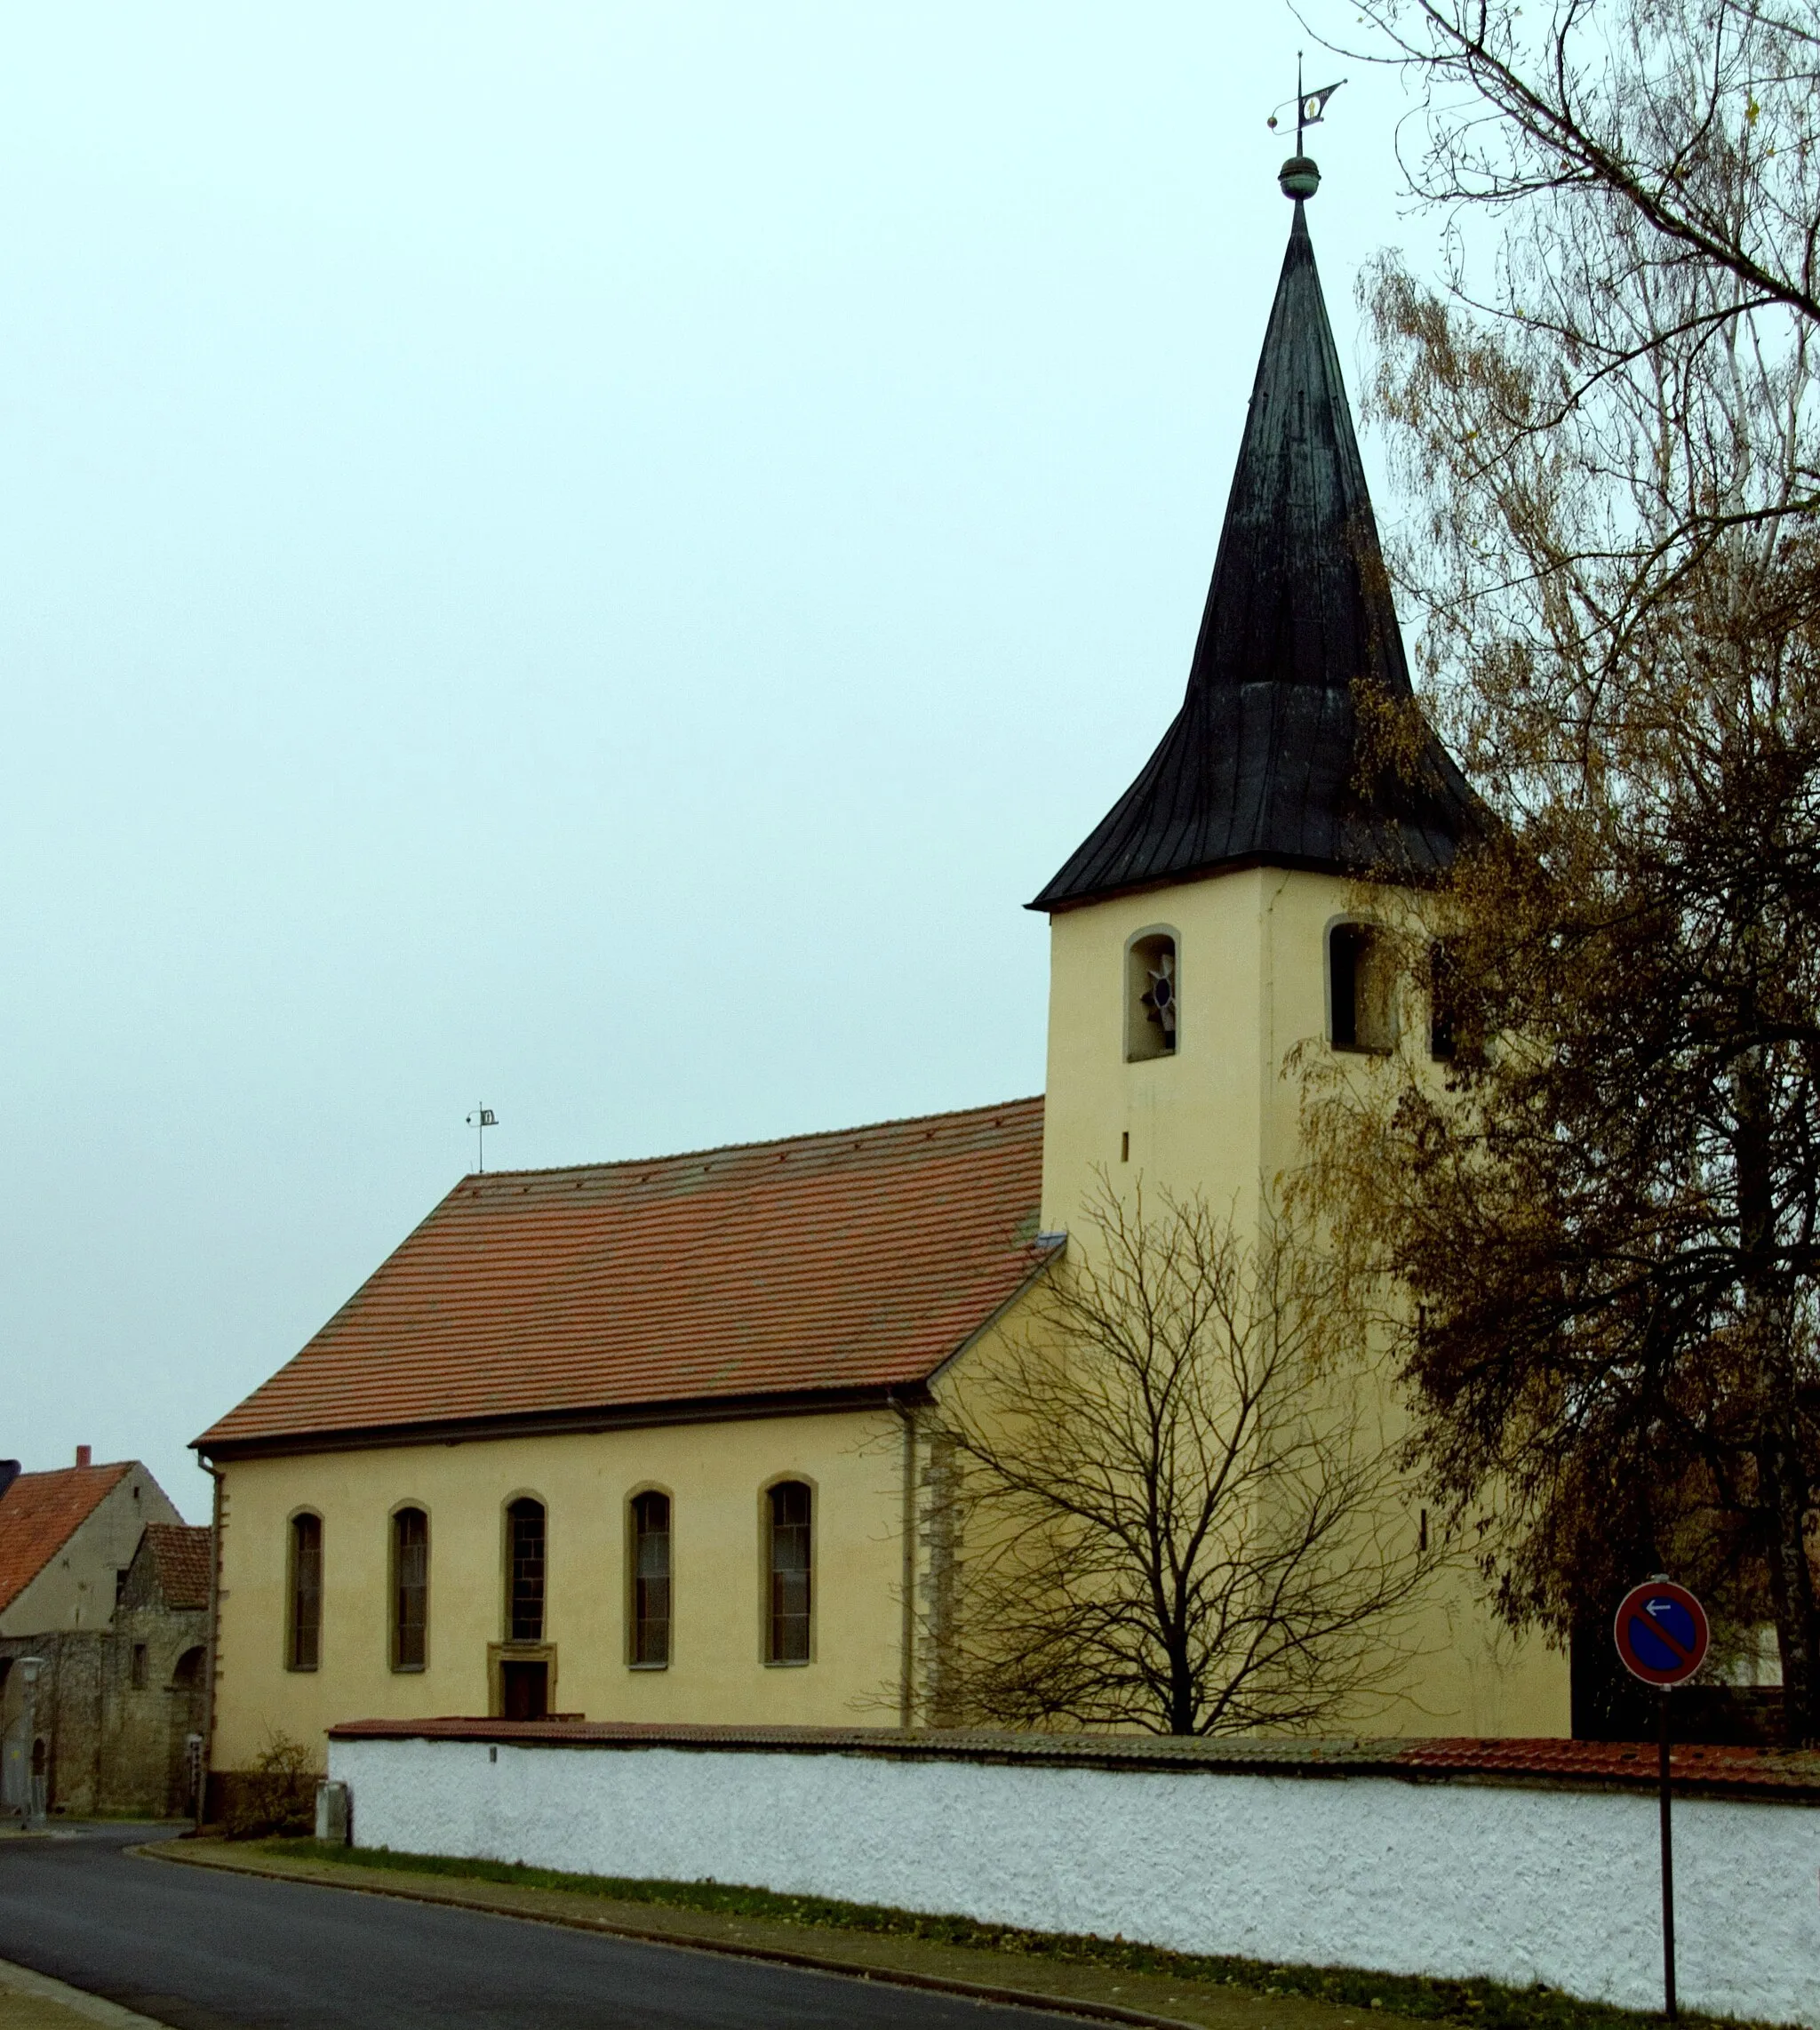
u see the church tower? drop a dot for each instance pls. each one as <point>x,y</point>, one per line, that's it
<point>1210,923</point>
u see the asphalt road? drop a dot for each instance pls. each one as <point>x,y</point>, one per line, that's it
<point>202,1950</point>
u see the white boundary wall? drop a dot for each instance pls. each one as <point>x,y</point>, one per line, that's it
<point>1446,1878</point>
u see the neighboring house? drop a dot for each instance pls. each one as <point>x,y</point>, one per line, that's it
<point>104,1595</point>
<point>640,1441</point>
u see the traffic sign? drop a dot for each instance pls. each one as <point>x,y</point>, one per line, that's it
<point>1662,1633</point>
<point>1661,1636</point>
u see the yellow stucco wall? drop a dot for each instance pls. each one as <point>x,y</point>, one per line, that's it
<point>1223,1111</point>
<point>1221,1117</point>
<point>715,1475</point>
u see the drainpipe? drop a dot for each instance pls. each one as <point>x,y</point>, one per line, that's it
<point>906,1682</point>
<point>206,1760</point>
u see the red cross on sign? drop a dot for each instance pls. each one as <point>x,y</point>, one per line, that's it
<point>1662,1633</point>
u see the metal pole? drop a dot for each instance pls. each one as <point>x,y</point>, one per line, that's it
<point>1668,2009</point>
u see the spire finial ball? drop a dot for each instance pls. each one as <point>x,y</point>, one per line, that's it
<point>1299,177</point>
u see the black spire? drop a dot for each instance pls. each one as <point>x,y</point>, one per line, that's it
<point>1263,761</point>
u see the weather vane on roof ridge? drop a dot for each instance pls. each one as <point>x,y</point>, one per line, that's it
<point>480,1121</point>
<point>1311,106</point>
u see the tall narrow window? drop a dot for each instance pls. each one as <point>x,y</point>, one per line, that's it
<point>651,1579</point>
<point>790,1554</point>
<point>1344,952</point>
<point>1360,989</point>
<point>1455,1020</point>
<point>1441,1039</point>
<point>304,1638</point>
<point>410,1589</point>
<point>525,1580</point>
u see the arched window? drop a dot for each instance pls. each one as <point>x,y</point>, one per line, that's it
<point>304,1630</point>
<point>1152,1006</point>
<point>410,1589</point>
<point>650,1580</point>
<point>790,1553</point>
<point>525,1571</point>
<point>1360,989</point>
<point>1454,1030</point>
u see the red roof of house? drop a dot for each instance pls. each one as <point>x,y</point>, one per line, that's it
<point>41,1512</point>
<point>824,1264</point>
<point>179,1553</point>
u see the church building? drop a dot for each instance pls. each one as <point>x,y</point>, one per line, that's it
<point>647,1441</point>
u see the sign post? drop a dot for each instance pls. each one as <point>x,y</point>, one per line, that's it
<point>1662,1638</point>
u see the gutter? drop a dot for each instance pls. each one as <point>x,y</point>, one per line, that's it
<point>549,1422</point>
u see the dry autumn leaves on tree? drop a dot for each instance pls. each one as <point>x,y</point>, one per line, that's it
<point>1599,1224</point>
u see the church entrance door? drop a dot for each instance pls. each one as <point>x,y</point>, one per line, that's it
<point>526,1687</point>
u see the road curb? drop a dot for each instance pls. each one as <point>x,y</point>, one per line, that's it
<point>688,1941</point>
<point>21,1980</point>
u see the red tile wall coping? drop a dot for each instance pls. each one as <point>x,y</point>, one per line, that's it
<point>1771,1776</point>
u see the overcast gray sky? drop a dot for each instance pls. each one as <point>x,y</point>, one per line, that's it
<point>583,556</point>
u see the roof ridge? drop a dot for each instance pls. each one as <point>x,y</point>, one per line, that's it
<point>763,1142</point>
<point>94,1466</point>
<point>857,1264</point>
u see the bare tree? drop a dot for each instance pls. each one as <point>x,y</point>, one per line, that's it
<point>1176,1505</point>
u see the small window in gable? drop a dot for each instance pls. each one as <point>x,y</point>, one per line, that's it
<point>1152,1005</point>
<point>1361,989</point>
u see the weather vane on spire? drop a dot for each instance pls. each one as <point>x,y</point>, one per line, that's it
<point>1299,177</point>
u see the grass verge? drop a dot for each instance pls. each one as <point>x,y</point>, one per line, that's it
<point>1484,2004</point>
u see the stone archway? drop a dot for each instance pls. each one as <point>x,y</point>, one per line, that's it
<point>13,1764</point>
<point>188,1689</point>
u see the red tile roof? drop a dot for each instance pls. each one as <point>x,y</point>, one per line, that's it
<point>839,1262</point>
<point>1790,1775</point>
<point>181,1556</point>
<point>41,1512</point>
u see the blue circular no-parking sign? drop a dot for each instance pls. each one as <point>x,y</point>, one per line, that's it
<point>1662,1633</point>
